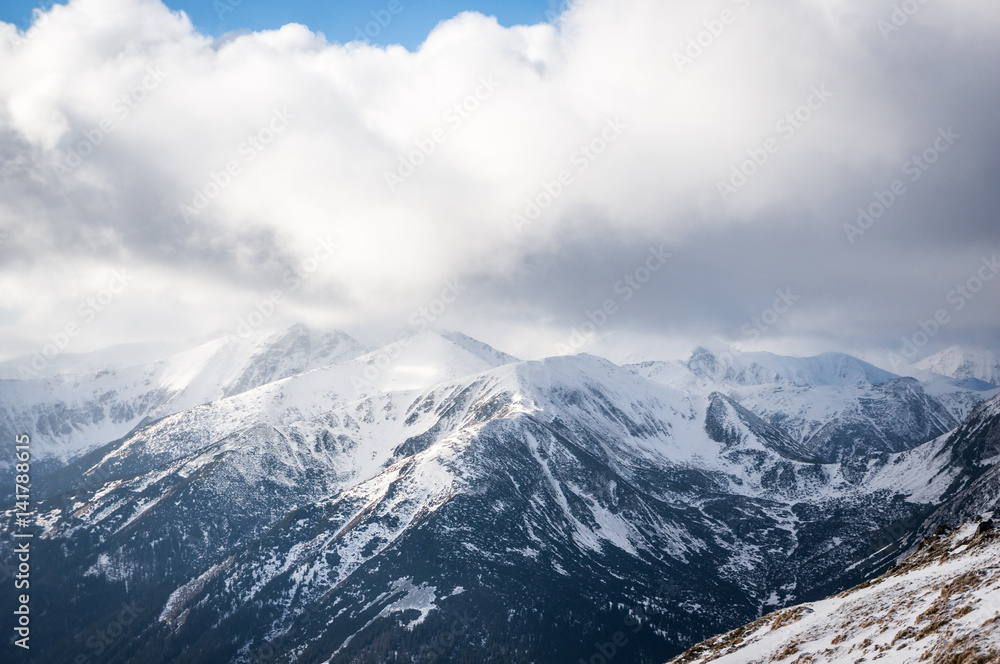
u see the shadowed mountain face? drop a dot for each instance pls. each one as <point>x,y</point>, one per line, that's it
<point>471,507</point>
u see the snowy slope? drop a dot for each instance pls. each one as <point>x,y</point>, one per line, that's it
<point>568,472</point>
<point>834,405</point>
<point>363,398</point>
<point>942,604</point>
<point>841,421</point>
<point>726,367</point>
<point>960,397</point>
<point>974,450</point>
<point>427,358</point>
<point>79,408</point>
<point>963,362</point>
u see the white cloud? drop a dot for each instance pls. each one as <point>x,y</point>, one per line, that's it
<point>181,107</point>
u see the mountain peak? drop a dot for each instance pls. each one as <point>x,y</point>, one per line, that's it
<point>429,357</point>
<point>482,350</point>
<point>962,362</point>
<point>738,368</point>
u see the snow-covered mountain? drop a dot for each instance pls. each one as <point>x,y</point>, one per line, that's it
<point>941,604</point>
<point>974,448</point>
<point>76,403</point>
<point>444,499</point>
<point>726,367</point>
<point>836,422</point>
<point>833,405</point>
<point>960,362</point>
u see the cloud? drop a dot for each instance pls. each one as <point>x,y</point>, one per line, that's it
<point>215,168</point>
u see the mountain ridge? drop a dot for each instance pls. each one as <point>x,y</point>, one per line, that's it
<point>570,494</point>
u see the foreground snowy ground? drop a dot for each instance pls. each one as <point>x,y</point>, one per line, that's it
<point>941,605</point>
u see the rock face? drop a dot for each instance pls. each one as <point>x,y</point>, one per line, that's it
<point>461,505</point>
<point>939,605</point>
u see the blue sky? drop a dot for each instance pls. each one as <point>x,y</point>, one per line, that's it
<point>339,20</point>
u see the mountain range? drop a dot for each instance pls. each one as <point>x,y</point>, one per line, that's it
<point>294,496</point>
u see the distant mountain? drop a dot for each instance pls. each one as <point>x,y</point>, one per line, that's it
<point>838,422</point>
<point>487,353</point>
<point>765,368</point>
<point>294,405</point>
<point>726,367</point>
<point>72,407</point>
<point>938,605</point>
<point>960,362</point>
<point>833,405</point>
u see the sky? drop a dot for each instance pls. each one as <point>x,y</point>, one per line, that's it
<point>631,178</point>
<point>405,22</point>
